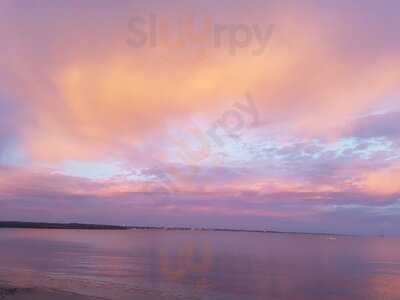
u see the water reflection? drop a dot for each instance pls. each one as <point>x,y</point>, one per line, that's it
<point>202,265</point>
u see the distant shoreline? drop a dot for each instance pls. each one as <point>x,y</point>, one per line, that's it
<point>83,226</point>
<point>41,225</point>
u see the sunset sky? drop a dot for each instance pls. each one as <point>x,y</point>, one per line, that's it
<point>279,115</point>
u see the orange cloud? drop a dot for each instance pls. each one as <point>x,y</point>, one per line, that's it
<point>90,104</point>
<point>381,182</point>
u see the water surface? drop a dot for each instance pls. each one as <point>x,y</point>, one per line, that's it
<point>202,265</point>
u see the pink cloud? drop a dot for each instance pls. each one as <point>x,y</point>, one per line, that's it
<point>75,90</point>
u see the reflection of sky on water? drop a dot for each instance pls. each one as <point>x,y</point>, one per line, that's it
<point>202,265</point>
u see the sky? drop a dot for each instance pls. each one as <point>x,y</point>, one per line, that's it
<point>278,115</point>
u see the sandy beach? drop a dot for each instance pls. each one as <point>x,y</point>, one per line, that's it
<point>18,293</point>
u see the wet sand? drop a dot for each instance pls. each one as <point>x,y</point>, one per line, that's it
<point>16,293</point>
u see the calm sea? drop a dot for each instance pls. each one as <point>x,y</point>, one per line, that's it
<point>138,264</point>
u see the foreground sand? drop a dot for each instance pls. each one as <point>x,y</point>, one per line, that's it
<point>13,293</point>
